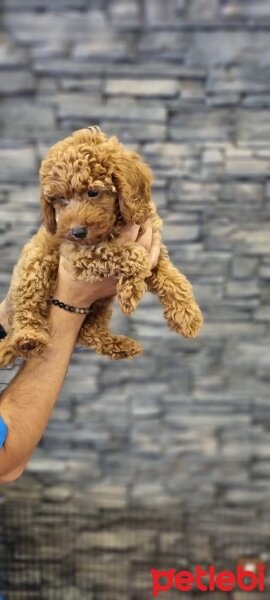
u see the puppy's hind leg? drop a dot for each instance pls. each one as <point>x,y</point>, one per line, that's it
<point>95,334</point>
<point>30,289</point>
<point>7,354</point>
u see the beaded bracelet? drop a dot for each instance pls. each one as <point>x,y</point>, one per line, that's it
<point>74,309</point>
<point>3,332</point>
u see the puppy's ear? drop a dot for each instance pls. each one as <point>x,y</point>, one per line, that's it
<point>133,180</point>
<point>47,214</point>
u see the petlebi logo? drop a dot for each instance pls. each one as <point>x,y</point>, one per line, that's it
<point>209,580</point>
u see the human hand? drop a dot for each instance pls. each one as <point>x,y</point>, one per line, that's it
<point>148,239</point>
<point>80,293</point>
<point>4,312</point>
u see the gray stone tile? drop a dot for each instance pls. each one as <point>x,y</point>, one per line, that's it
<point>139,132</point>
<point>252,126</point>
<point>200,125</point>
<point>72,106</point>
<point>257,10</point>
<point>105,49</point>
<point>139,88</point>
<point>34,120</point>
<point>158,14</point>
<point>11,57</point>
<point>123,14</point>
<point>18,163</point>
<point>34,27</point>
<point>16,82</point>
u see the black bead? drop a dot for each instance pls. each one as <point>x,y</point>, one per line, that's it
<point>61,304</point>
<point>3,332</point>
<point>71,309</point>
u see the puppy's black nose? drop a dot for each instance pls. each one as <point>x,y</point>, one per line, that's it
<point>79,232</point>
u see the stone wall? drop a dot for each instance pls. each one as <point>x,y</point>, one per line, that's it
<point>186,83</point>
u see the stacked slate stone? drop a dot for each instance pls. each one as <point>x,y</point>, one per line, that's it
<point>185,83</point>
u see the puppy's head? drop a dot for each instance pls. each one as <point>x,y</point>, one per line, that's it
<point>89,183</point>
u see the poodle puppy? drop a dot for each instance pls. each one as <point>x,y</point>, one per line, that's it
<point>90,185</point>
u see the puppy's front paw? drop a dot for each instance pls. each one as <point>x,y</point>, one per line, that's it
<point>130,292</point>
<point>29,343</point>
<point>187,319</point>
<point>192,324</point>
<point>122,346</point>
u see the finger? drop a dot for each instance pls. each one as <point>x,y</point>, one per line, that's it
<point>129,232</point>
<point>146,225</point>
<point>7,299</point>
<point>155,249</point>
<point>145,239</point>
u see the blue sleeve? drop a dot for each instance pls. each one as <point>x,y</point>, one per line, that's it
<point>3,432</point>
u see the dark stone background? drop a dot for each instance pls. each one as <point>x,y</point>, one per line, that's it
<point>187,84</point>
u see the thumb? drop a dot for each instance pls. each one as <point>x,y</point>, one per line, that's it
<point>129,232</point>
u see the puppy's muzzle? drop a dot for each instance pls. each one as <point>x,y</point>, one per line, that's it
<point>79,232</point>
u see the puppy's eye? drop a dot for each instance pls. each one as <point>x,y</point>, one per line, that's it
<point>92,193</point>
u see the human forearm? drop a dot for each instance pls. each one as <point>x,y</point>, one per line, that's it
<point>28,401</point>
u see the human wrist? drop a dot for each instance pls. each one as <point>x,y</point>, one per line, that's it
<point>79,295</point>
<point>64,323</point>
